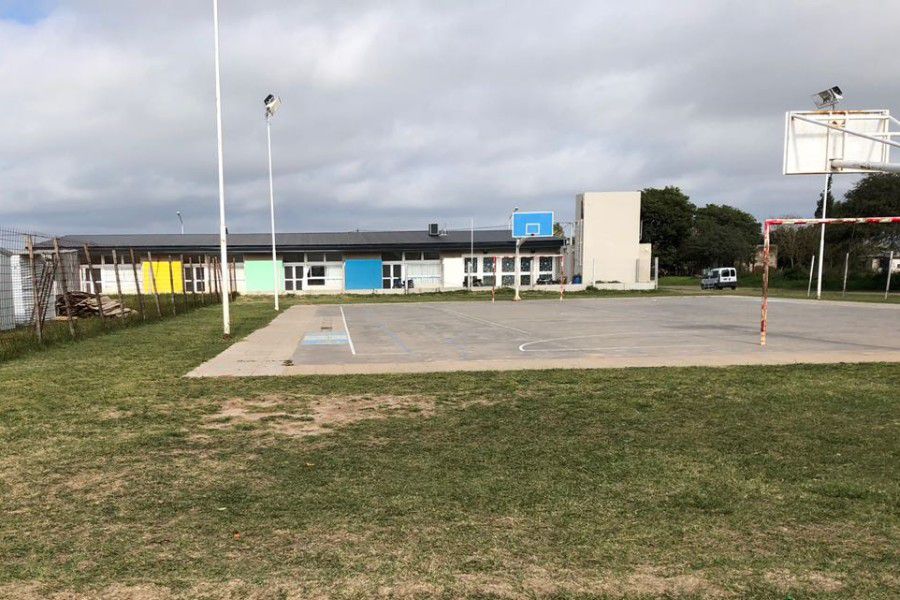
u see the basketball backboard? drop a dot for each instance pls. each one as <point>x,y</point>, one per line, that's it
<point>813,139</point>
<point>532,224</point>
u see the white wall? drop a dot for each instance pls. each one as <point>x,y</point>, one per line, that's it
<point>607,236</point>
<point>454,271</point>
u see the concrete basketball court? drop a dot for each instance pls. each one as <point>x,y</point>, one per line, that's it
<point>574,333</point>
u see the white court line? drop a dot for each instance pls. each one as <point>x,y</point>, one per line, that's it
<point>582,337</point>
<point>485,321</point>
<point>619,348</point>
<point>347,329</point>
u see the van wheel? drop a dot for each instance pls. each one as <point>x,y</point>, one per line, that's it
<point>734,287</point>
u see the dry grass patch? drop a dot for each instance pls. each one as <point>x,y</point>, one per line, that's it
<point>316,415</point>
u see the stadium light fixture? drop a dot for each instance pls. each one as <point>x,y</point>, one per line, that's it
<point>272,103</point>
<point>828,98</point>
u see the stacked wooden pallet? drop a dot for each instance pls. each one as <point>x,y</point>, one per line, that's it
<point>83,304</point>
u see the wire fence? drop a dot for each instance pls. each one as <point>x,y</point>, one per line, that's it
<point>53,289</point>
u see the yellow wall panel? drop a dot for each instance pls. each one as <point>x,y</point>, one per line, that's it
<point>163,280</point>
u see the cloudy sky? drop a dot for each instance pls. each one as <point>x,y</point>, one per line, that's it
<point>403,112</point>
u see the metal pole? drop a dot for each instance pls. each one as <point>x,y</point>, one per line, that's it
<point>825,195</point>
<point>275,289</point>
<point>764,316</point>
<point>472,252</point>
<point>656,271</point>
<point>890,269</point>
<point>516,270</point>
<point>812,267</point>
<point>223,236</point>
<point>846,265</point>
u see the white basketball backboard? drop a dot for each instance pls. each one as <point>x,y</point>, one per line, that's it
<point>812,139</point>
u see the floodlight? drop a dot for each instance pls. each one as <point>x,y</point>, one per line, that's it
<point>272,103</point>
<point>828,98</point>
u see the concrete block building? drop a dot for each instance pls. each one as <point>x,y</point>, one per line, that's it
<point>605,251</point>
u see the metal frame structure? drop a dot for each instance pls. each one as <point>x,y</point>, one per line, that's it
<point>769,223</point>
<point>837,121</point>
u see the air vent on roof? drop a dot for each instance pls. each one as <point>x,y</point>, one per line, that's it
<point>434,230</point>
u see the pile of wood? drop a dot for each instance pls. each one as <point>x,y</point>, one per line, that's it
<point>85,305</point>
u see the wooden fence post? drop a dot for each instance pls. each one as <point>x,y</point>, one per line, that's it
<point>183,283</point>
<point>172,284</point>
<point>115,256</point>
<point>137,285</point>
<point>153,282</point>
<point>65,287</point>
<point>233,280</point>
<point>36,306</point>
<point>87,253</point>
<point>193,281</point>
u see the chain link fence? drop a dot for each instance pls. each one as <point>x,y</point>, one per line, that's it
<point>54,290</point>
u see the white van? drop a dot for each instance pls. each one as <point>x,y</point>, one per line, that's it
<point>719,278</point>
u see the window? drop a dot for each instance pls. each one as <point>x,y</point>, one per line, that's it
<point>88,277</point>
<point>508,280</point>
<point>334,257</point>
<point>293,278</point>
<point>545,264</point>
<point>391,276</point>
<point>315,275</point>
<point>391,256</point>
<point>194,279</point>
<point>468,265</point>
<point>293,257</point>
<point>432,255</point>
<point>315,257</point>
<point>508,264</point>
<point>412,255</point>
<point>488,264</point>
<point>525,264</point>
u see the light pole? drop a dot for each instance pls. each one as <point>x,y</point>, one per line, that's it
<point>272,103</point>
<point>825,99</point>
<point>180,220</point>
<point>223,233</point>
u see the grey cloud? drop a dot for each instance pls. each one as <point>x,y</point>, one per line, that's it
<point>398,113</point>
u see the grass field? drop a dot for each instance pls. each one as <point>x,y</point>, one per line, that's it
<point>120,479</point>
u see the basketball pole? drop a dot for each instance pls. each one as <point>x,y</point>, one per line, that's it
<point>822,235</point>
<point>516,269</point>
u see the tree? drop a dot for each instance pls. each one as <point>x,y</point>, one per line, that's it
<point>722,236</point>
<point>666,217</point>
<point>558,230</point>
<point>875,195</point>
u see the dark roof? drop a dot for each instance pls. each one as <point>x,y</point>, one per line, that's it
<point>341,241</point>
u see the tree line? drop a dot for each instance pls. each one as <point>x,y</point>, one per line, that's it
<point>688,238</point>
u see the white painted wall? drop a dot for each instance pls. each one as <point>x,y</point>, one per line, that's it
<point>454,270</point>
<point>607,233</point>
<point>644,269</point>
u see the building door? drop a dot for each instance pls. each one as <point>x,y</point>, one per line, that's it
<point>293,278</point>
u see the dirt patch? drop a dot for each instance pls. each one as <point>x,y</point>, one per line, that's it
<point>316,416</point>
<point>813,581</point>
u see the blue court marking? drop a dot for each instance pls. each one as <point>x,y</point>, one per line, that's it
<point>325,339</point>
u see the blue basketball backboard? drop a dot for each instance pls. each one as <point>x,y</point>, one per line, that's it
<point>532,224</point>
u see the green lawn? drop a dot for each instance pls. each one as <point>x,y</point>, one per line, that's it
<point>121,479</point>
